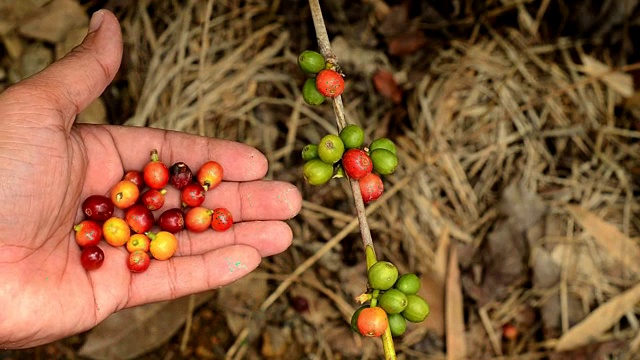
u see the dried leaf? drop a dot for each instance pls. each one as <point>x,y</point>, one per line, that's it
<point>618,81</point>
<point>600,320</point>
<point>246,294</point>
<point>507,248</point>
<point>433,285</point>
<point>619,246</point>
<point>387,86</point>
<point>132,332</point>
<point>407,43</point>
<point>456,336</point>
<point>52,22</point>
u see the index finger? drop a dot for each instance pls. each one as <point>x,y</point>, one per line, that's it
<point>132,145</point>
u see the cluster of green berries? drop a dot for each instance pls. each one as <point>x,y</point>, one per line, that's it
<point>322,82</point>
<point>393,301</point>
<point>344,154</point>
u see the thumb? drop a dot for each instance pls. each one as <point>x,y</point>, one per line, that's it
<point>70,84</point>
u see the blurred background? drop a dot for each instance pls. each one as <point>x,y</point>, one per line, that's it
<point>517,125</point>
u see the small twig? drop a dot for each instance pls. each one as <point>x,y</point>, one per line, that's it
<point>325,49</point>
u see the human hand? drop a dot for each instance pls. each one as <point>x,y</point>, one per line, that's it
<point>48,166</point>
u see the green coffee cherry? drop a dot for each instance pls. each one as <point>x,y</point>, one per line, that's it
<point>330,149</point>
<point>408,284</point>
<point>382,275</point>
<point>384,161</point>
<point>354,318</point>
<point>383,143</point>
<point>417,309</point>
<point>310,93</point>
<point>393,301</point>
<point>397,324</point>
<point>311,62</point>
<point>352,136</point>
<point>317,172</point>
<point>310,152</point>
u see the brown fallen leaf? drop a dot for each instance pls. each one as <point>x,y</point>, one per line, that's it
<point>52,22</point>
<point>387,86</point>
<point>433,285</point>
<point>407,43</point>
<point>132,332</point>
<point>247,294</point>
<point>456,335</point>
<point>600,320</point>
<point>618,246</point>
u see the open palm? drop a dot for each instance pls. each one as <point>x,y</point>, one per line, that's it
<point>48,166</point>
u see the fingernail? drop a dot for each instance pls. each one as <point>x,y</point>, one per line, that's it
<point>96,20</point>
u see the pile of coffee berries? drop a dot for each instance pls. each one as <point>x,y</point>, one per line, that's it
<point>125,217</point>
<point>392,302</point>
<point>344,154</point>
<point>323,80</point>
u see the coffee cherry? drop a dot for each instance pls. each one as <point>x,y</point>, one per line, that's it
<point>354,318</point>
<point>116,231</point>
<point>371,187</point>
<point>382,143</point>
<point>397,324</point>
<point>138,242</point>
<point>87,233</point>
<point>372,322</point>
<point>310,93</point>
<point>153,199</point>
<point>510,332</point>
<point>198,219</point>
<point>311,62</point>
<point>356,163</point>
<point>417,309</point>
<point>330,149</point>
<point>139,218</point>
<point>310,152</point>
<point>393,301</point>
<point>171,220</point>
<point>384,161</point>
<point>163,245</point>
<point>124,194</point>
<point>408,284</point>
<point>329,83</point>
<point>317,172</point>
<point>180,175</point>
<point>138,261</point>
<point>155,173</point>
<point>352,136</point>
<point>382,275</point>
<point>92,257</point>
<point>221,219</point>
<point>210,175</point>
<point>192,195</point>
<point>135,177</point>
<point>98,207</point>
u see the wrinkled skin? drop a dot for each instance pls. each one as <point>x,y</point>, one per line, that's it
<point>48,165</point>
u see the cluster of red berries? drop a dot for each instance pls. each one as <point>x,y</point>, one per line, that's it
<point>344,154</point>
<point>393,301</point>
<point>323,82</point>
<point>137,196</point>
